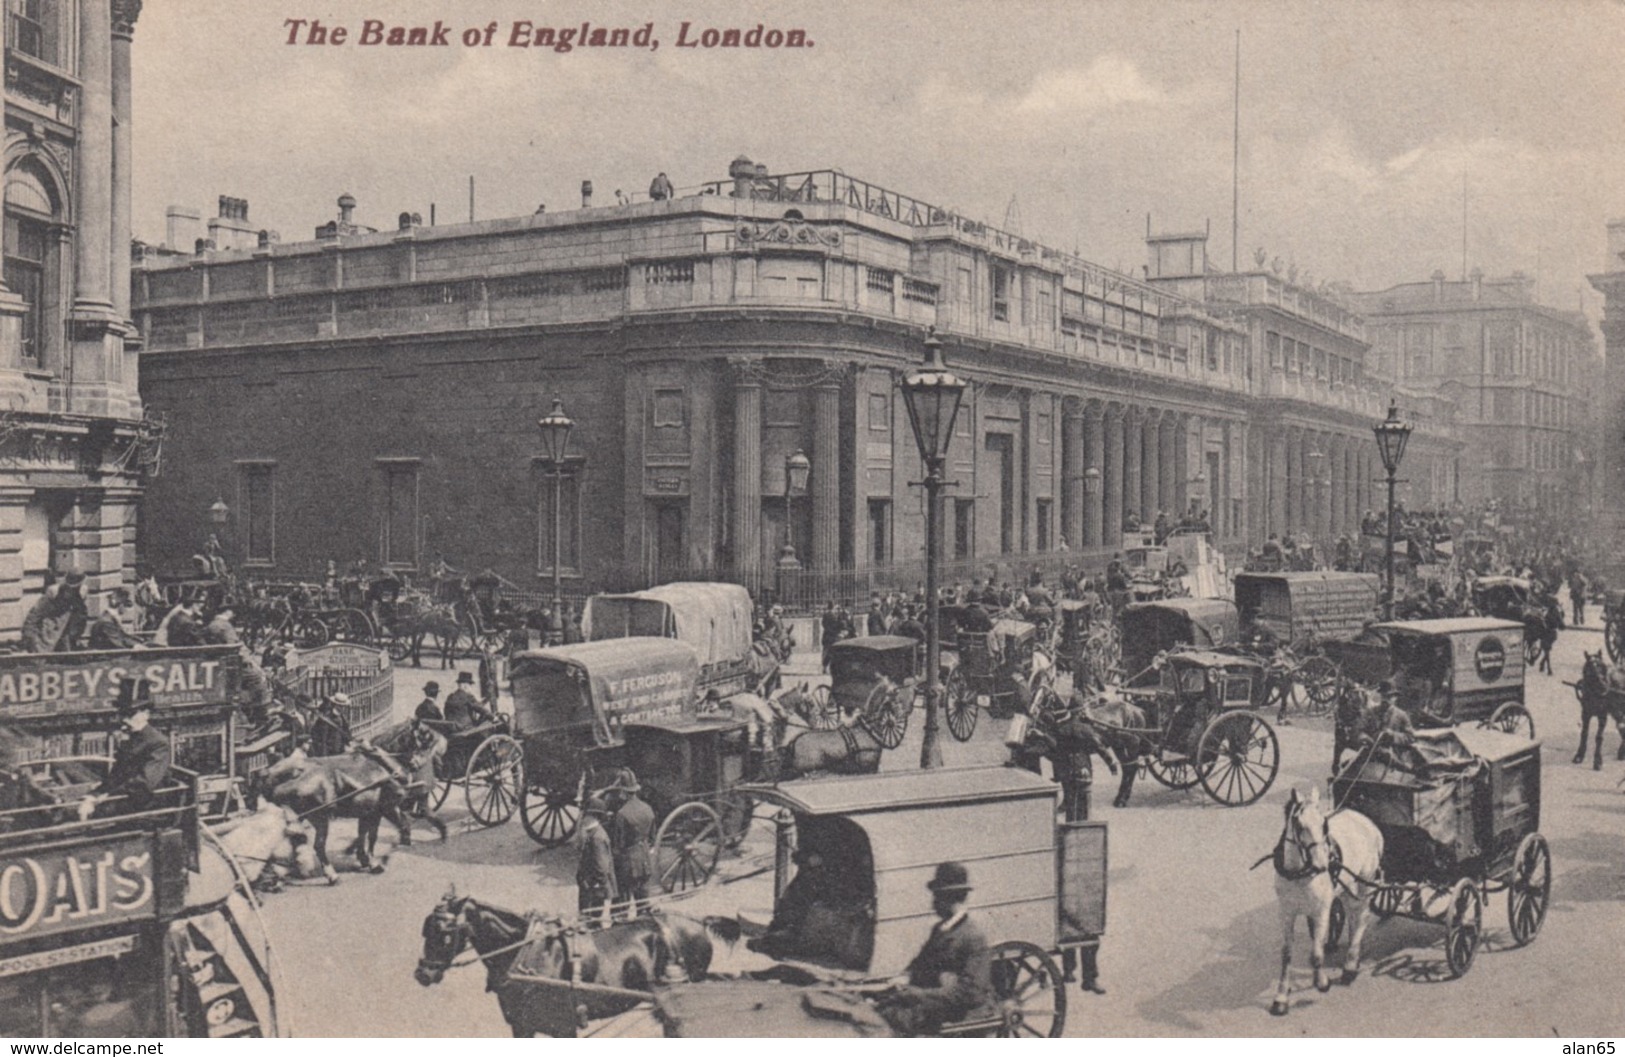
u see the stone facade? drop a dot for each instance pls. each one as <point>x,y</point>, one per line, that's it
<point>74,446</point>
<point>1521,373</point>
<point>1610,474</point>
<point>380,389</point>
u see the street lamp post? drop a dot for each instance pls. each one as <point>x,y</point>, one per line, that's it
<point>796,469</point>
<point>1317,459</point>
<point>555,427</point>
<point>933,395</point>
<point>1392,435</point>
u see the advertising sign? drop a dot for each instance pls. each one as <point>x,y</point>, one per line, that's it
<point>47,891</point>
<point>42,686</point>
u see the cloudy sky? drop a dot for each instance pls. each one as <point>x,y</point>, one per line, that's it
<point>1359,119</point>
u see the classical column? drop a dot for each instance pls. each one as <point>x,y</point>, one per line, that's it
<point>125,12</point>
<point>1151,466</point>
<point>1277,482</point>
<point>1334,486</point>
<point>747,498</point>
<point>1094,445</point>
<point>1133,438</point>
<point>1327,494</point>
<point>1072,473</point>
<point>13,519</point>
<point>826,476</point>
<point>1297,515</point>
<point>1115,430</point>
<point>93,198</point>
<point>1175,465</point>
<point>1351,485</point>
<point>1221,495</point>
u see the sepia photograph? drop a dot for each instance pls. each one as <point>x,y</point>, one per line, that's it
<point>734,518</point>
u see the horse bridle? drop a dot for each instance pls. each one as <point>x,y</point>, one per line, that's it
<point>1293,831</point>
<point>451,938</point>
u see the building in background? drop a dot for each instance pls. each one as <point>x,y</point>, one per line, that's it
<point>1610,394</point>
<point>373,395</point>
<point>1521,374</point>
<point>73,442</point>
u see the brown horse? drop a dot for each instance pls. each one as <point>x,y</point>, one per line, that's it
<point>629,956</point>
<point>367,787</point>
<point>1601,691</point>
<point>1116,724</point>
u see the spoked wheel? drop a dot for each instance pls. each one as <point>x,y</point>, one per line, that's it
<point>309,633</point>
<point>1318,676</point>
<point>687,847</point>
<point>496,774</point>
<point>1175,774</point>
<point>1029,992</point>
<point>737,811</point>
<point>439,791</point>
<point>1335,923</point>
<point>400,648</point>
<point>1386,900</point>
<point>886,713</point>
<point>1238,757</point>
<point>961,706</point>
<point>491,640</point>
<point>549,815</point>
<point>1512,718</point>
<point>826,715</point>
<point>1613,638</point>
<point>1530,889</point>
<point>1463,927</point>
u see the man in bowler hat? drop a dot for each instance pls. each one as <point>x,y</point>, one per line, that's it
<point>428,711</point>
<point>952,976</point>
<point>141,761</point>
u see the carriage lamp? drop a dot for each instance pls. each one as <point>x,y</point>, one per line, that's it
<point>555,427</point>
<point>797,467</point>
<point>932,394</point>
<point>1392,435</point>
<point>219,512</point>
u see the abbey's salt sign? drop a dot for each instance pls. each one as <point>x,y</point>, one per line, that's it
<point>38,685</point>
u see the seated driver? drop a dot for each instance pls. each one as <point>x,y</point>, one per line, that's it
<point>952,976</point>
<point>813,885</point>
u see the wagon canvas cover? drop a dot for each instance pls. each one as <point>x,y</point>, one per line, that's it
<point>629,682</point>
<point>714,619</point>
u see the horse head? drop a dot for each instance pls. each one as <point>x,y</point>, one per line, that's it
<point>446,934</point>
<point>1304,847</point>
<point>1594,670</point>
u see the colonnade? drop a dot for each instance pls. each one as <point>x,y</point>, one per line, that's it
<point>1318,483</point>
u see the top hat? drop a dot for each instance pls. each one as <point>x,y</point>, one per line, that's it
<point>430,689</point>
<point>134,695</point>
<point>951,877</point>
<point>464,677</point>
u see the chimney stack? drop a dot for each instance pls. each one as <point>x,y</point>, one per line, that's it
<point>183,225</point>
<point>586,194</point>
<point>346,208</point>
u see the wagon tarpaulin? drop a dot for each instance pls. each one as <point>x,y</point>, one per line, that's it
<point>714,619</point>
<point>629,682</point>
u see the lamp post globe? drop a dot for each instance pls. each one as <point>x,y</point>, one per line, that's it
<point>1392,436</point>
<point>555,427</point>
<point>932,394</point>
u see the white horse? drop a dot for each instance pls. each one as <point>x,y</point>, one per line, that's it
<point>1320,859</point>
<point>272,844</point>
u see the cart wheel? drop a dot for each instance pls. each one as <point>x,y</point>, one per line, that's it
<point>687,847</point>
<point>1175,774</point>
<point>1463,927</point>
<point>492,640</point>
<point>549,815</point>
<point>1614,639</point>
<point>1029,991</point>
<point>826,714</point>
<point>1238,757</point>
<point>1335,921</point>
<point>400,648</point>
<point>309,633</point>
<point>1385,902</point>
<point>1530,889</point>
<point>1512,718</point>
<point>960,705</point>
<point>1318,677</point>
<point>496,774</point>
<point>886,712</point>
<point>438,792</point>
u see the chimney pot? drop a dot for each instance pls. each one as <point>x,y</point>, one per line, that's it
<point>346,207</point>
<point>586,194</point>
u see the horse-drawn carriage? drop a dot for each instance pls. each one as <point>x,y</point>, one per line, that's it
<point>875,677</point>
<point>582,712</point>
<point>1039,891</point>
<point>715,619</point>
<point>1202,724</point>
<point>994,670</point>
<point>1459,814</point>
<point>1087,642</point>
<point>1460,670</point>
<point>1502,597</point>
<point>1308,614</point>
<point>1151,628</point>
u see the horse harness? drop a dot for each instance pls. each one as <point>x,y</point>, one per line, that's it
<point>1307,869</point>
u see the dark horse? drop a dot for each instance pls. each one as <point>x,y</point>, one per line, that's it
<point>627,956</point>
<point>847,749</point>
<point>1115,725</point>
<point>1541,623</point>
<point>1601,691</point>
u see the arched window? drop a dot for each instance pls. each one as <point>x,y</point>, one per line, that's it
<point>30,210</point>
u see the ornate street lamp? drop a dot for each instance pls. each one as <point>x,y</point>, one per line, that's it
<point>933,395</point>
<point>1392,435</point>
<point>796,469</point>
<point>555,427</point>
<point>219,512</point>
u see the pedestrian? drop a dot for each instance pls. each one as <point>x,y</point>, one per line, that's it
<point>829,625</point>
<point>108,631</point>
<point>1577,595</point>
<point>595,871</point>
<point>631,834</point>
